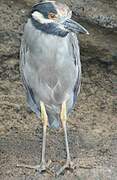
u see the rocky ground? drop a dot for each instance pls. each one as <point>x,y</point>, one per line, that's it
<point>92,126</point>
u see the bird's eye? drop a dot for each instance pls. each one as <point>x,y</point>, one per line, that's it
<point>51,16</point>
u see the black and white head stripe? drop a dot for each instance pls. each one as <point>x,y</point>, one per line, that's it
<point>44,8</point>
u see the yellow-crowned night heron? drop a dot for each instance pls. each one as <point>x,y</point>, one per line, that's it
<point>50,67</point>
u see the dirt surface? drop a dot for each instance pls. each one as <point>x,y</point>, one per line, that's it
<point>92,126</point>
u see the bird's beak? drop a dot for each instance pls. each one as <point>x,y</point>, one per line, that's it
<point>73,26</point>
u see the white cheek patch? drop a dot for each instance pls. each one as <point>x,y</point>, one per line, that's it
<point>40,18</point>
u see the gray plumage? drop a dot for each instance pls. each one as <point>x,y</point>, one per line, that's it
<point>51,70</point>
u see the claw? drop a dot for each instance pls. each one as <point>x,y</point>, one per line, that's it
<point>67,165</point>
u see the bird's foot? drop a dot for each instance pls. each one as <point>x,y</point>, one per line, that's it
<point>43,166</point>
<point>68,165</point>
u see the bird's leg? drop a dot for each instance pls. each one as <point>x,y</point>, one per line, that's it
<point>68,164</point>
<point>43,165</point>
<point>45,124</point>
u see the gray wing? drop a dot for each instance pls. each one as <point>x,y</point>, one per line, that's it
<point>24,50</point>
<point>76,54</point>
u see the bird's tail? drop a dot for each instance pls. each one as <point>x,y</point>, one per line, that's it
<point>54,120</point>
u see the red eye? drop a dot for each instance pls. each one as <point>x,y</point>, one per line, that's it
<point>51,16</point>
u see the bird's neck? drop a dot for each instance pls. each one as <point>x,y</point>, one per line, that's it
<point>49,28</point>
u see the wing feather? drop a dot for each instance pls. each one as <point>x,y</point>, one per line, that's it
<point>76,54</point>
<point>29,92</point>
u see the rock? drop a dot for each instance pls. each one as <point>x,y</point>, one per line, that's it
<point>2,129</point>
<point>99,12</point>
<point>99,45</point>
<point>98,18</point>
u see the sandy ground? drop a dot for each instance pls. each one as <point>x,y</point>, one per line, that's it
<point>92,126</point>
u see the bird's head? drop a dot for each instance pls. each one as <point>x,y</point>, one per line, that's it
<point>54,18</point>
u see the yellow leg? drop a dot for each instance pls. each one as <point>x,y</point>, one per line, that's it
<point>63,116</point>
<point>45,123</point>
<point>44,116</point>
<point>43,165</point>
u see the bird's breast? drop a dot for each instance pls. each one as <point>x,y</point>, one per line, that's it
<point>51,48</point>
<point>46,47</point>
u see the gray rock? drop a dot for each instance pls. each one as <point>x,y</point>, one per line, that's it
<point>98,17</point>
<point>100,44</point>
<point>101,12</point>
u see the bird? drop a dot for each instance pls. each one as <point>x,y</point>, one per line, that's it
<point>50,68</point>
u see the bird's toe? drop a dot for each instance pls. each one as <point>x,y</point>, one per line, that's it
<point>43,166</point>
<point>68,165</point>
